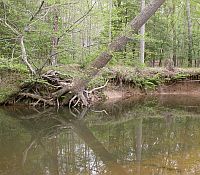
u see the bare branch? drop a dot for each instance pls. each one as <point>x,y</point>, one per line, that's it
<point>98,88</point>
<point>37,12</point>
<point>15,31</point>
<point>77,21</point>
<point>39,18</point>
<point>104,111</point>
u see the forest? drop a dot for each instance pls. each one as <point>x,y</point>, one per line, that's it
<point>99,87</point>
<point>56,47</point>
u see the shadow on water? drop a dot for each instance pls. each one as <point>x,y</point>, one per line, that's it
<point>145,136</point>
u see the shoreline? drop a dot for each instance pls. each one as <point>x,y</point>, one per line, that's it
<point>124,82</point>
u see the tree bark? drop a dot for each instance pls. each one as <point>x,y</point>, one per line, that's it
<point>24,56</point>
<point>54,38</point>
<point>189,33</point>
<point>174,37</point>
<point>142,32</point>
<point>145,14</point>
<point>117,45</point>
<point>110,20</point>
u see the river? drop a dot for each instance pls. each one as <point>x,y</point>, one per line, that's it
<point>158,135</point>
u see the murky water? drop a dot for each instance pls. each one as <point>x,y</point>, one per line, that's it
<point>144,136</point>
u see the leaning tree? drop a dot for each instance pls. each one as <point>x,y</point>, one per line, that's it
<point>65,92</point>
<point>79,85</point>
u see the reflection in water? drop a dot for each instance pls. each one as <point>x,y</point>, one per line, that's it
<point>145,137</point>
<point>138,135</point>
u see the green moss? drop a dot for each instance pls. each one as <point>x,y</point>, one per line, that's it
<point>20,68</point>
<point>10,81</point>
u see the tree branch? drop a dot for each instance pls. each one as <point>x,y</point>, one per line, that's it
<point>37,12</point>
<point>77,22</point>
<point>98,88</point>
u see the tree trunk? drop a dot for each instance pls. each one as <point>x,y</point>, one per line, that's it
<point>110,21</point>
<point>24,56</point>
<point>174,57</point>
<point>54,38</point>
<point>117,45</point>
<point>189,33</point>
<point>142,32</point>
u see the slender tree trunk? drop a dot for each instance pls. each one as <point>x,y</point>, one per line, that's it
<point>142,32</point>
<point>189,33</point>
<point>174,57</point>
<point>23,49</point>
<point>153,62</point>
<point>174,49</point>
<point>54,38</point>
<point>160,62</point>
<point>24,56</point>
<point>110,21</point>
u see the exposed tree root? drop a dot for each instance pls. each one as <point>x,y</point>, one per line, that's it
<point>84,97</point>
<point>38,98</point>
<point>53,90</point>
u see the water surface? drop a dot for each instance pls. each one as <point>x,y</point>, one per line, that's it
<point>143,136</point>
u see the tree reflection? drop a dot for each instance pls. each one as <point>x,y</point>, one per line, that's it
<point>61,143</point>
<point>138,134</point>
<point>58,164</point>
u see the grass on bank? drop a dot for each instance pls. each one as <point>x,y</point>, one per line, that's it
<point>11,77</point>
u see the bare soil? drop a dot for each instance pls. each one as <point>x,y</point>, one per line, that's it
<point>182,87</point>
<point>189,87</point>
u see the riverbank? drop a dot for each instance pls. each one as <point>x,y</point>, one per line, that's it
<point>123,82</point>
<point>11,80</point>
<point>128,82</point>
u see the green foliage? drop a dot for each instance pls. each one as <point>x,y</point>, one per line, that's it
<point>81,42</point>
<point>12,65</point>
<point>149,83</point>
<point>97,82</point>
<point>180,76</point>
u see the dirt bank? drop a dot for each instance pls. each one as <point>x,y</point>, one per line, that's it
<point>124,82</point>
<point>189,87</point>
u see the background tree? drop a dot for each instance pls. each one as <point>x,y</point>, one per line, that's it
<point>84,28</point>
<point>189,21</point>
<point>142,32</point>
